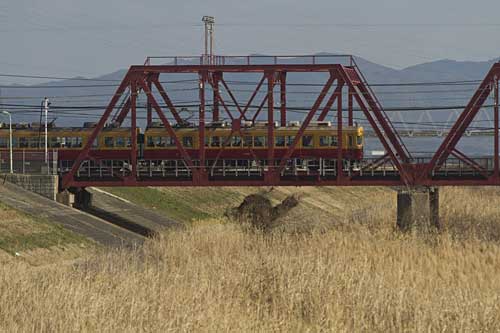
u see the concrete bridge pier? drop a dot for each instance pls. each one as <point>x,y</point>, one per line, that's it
<point>83,198</point>
<point>77,197</point>
<point>418,208</point>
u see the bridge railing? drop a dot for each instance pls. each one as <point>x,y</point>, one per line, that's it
<point>342,59</point>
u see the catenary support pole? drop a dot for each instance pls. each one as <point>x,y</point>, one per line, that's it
<point>149,107</point>
<point>350,106</point>
<point>283,98</point>
<point>340,158</point>
<point>215,113</point>
<point>496,119</point>
<point>133,118</point>
<point>201,123</point>
<point>270,121</point>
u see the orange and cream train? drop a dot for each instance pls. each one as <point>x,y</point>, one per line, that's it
<point>319,141</point>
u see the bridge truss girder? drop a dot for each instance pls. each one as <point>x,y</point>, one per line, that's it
<point>340,78</point>
<point>145,78</point>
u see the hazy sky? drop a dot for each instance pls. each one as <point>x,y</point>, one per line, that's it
<point>93,37</point>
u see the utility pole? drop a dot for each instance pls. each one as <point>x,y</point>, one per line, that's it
<point>46,105</point>
<point>209,38</point>
<point>10,140</point>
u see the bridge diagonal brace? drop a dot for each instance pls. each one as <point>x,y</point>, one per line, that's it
<point>84,153</point>
<point>463,122</point>
<point>475,104</point>
<point>385,123</point>
<point>464,158</point>
<point>262,104</point>
<point>166,99</point>
<point>221,100</point>
<point>230,93</point>
<point>375,164</point>
<point>124,112</point>
<point>306,121</point>
<point>373,123</point>
<point>167,125</point>
<point>255,92</point>
<point>331,100</point>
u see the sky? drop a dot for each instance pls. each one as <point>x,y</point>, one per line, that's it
<point>95,37</point>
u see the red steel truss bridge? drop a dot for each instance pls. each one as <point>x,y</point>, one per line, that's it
<point>344,89</point>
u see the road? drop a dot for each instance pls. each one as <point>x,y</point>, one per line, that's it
<point>72,219</point>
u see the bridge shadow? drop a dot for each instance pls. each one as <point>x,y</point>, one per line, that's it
<point>119,221</point>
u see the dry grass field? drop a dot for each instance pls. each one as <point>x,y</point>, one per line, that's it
<point>355,273</point>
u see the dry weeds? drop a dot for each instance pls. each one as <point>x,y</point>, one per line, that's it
<point>358,275</point>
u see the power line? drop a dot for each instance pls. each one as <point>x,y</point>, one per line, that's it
<point>80,85</point>
<point>395,84</point>
<point>399,84</point>
<point>55,77</point>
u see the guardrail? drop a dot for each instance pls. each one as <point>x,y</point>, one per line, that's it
<point>29,162</point>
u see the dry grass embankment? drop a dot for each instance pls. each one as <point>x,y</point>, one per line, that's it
<point>356,275</point>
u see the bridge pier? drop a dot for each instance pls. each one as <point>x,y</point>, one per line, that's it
<point>83,198</point>
<point>75,197</point>
<point>418,207</point>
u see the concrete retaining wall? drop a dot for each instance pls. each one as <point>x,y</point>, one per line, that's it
<point>45,185</point>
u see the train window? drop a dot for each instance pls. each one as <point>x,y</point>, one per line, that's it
<point>77,142</point>
<point>360,140</point>
<point>333,141</point>
<point>236,141</point>
<point>226,141</point>
<point>324,141</point>
<point>33,143</point>
<point>207,140</point>
<point>169,141</point>
<point>150,141</point>
<point>4,142</point>
<point>128,142</point>
<point>55,142</point>
<point>351,140</point>
<point>187,141</point>
<point>279,141</point>
<point>215,142</point>
<point>109,142</point>
<point>307,141</point>
<point>23,143</point>
<point>259,141</point>
<point>159,141</point>
<point>120,141</point>
<point>247,141</point>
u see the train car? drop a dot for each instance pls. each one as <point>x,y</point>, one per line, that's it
<point>158,155</point>
<point>112,143</point>
<point>319,141</point>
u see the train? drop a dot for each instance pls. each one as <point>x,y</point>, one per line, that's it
<point>319,141</point>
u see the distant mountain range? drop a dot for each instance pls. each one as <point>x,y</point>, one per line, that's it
<point>90,96</point>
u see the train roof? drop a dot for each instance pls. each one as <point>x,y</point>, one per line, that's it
<point>256,128</point>
<point>52,128</point>
<point>292,125</point>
